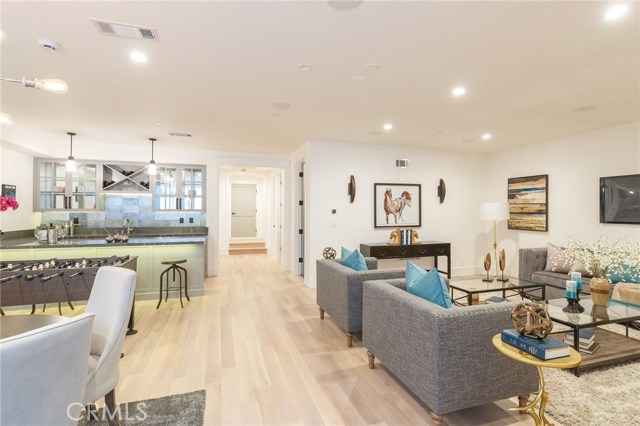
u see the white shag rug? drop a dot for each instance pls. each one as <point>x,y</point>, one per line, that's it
<point>607,396</point>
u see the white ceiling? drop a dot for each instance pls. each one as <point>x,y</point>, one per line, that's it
<point>219,66</point>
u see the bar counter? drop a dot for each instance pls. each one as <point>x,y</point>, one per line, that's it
<point>149,249</point>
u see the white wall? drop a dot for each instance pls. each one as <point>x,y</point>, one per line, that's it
<point>17,169</point>
<point>574,165</point>
<point>328,166</point>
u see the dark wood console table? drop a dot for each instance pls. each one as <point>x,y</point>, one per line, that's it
<point>421,249</point>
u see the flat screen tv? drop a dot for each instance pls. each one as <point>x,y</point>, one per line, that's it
<point>620,199</point>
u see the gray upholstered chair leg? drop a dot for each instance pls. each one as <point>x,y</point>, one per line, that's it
<point>349,339</point>
<point>437,419</point>
<point>523,400</point>
<point>321,313</point>
<point>372,359</point>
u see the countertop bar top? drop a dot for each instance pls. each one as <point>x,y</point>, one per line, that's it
<point>92,241</point>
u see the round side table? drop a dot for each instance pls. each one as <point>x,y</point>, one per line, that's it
<point>571,361</point>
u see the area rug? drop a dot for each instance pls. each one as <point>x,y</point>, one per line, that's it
<point>603,396</point>
<point>186,409</point>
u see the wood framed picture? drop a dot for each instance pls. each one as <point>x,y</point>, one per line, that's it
<point>528,198</point>
<point>397,204</point>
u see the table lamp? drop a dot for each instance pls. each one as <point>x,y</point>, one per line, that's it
<point>494,211</point>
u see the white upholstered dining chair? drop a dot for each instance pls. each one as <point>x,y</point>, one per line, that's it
<point>110,300</point>
<point>43,373</point>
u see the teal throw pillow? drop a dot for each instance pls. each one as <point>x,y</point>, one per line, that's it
<point>627,275</point>
<point>428,285</point>
<point>353,259</point>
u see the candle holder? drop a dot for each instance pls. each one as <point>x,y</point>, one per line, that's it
<point>573,305</point>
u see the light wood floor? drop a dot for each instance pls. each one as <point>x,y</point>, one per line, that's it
<point>256,343</point>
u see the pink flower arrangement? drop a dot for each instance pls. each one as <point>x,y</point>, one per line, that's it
<point>6,202</point>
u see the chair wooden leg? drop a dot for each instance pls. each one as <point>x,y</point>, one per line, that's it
<point>523,400</point>
<point>437,419</point>
<point>372,359</point>
<point>321,313</point>
<point>113,417</point>
<point>349,339</point>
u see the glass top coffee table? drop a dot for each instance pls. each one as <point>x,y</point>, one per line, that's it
<point>473,287</point>
<point>614,347</point>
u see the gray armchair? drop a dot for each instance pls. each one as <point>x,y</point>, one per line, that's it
<point>444,356</point>
<point>339,291</point>
<point>44,372</point>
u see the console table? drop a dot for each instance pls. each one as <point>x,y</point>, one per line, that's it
<point>421,249</point>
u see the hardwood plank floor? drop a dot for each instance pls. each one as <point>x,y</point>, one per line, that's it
<point>256,343</point>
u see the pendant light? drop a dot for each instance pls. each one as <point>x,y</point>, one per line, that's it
<point>152,169</point>
<point>70,165</point>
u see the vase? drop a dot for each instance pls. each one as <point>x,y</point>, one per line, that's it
<point>599,288</point>
<point>40,234</point>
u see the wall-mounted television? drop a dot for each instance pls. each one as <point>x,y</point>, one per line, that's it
<point>620,199</point>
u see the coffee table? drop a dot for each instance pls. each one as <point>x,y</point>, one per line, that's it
<point>472,287</point>
<point>614,348</point>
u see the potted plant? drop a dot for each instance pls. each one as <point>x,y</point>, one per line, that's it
<point>41,232</point>
<point>601,260</point>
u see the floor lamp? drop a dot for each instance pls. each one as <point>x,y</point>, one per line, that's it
<point>494,211</point>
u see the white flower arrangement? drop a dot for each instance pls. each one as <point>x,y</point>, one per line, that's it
<point>602,258</point>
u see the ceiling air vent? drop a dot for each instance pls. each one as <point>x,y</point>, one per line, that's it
<point>184,135</point>
<point>124,30</point>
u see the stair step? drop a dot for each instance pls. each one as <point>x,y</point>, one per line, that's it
<point>247,250</point>
<point>247,244</point>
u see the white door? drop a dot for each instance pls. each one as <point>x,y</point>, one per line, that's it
<point>243,210</point>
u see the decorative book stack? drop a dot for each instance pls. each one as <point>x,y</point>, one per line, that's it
<point>547,348</point>
<point>587,343</point>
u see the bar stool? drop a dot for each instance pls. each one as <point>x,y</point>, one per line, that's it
<point>165,274</point>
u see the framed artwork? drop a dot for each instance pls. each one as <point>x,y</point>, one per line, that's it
<point>397,204</point>
<point>528,198</point>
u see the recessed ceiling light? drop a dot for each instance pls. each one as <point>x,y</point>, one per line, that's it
<point>304,67</point>
<point>584,108</point>
<point>138,57</point>
<point>280,105</point>
<point>358,78</point>
<point>372,66</point>
<point>5,119</point>
<point>616,12</point>
<point>159,123</point>
<point>486,136</point>
<point>459,91</point>
<point>388,126</point>
<point>344,4</point>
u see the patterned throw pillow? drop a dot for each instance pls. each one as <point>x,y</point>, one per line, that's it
<point>556,260</point>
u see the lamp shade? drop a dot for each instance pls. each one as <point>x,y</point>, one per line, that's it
<point>494,211</point>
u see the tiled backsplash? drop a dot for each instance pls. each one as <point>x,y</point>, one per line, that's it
<point>136,208</point>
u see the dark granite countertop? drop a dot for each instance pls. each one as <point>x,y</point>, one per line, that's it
<point>95,238</point>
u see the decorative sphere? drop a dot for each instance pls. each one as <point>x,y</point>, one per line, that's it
<point>329,253</point>
<point>531,319</point>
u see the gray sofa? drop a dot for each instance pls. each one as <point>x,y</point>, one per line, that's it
<point>339,291</point>
<point>444,356</point>
<point>532,262</point>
